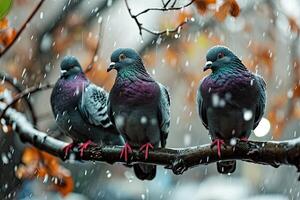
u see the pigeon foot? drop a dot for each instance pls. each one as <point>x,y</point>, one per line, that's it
<point>146,148</point>
<point>68,148</point>
<point>125,150</point>
<point>244,139</point>
<point>218,142</point>
<point>84,146</point>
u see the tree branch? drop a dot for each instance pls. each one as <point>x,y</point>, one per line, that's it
<point>179,160</point>
<point>24,93</point>
<point>165,8</point>
<point>19,88</point>
<point>22,28</point>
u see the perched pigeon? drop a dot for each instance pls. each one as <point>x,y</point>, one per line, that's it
<point>80,108</point>
<point>139,107</point>
<point>231,100</point>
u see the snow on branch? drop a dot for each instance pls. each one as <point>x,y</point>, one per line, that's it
<point>179,159</point>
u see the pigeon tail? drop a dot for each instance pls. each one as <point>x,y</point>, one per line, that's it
<point>144,171</point>
<point>225,167</point>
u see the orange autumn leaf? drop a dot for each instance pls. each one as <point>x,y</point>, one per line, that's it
<point>183,16</point>
<point>66,185</point>
<point>228,7</point>
<point>203,4</point>
<point>43,165</point>
<point>7,34</point>
<point>30,155</point>
<point>171,57</point>
<point>3,23</point>
<point>293,25</point>
<point>234,8</point>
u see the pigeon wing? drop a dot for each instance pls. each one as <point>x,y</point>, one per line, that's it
<point>164,114</point>
<point>93,106</point>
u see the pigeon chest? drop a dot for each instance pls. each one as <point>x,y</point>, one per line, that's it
<point>235,91</point>
<point>66,95</point>
<point>135,93</point>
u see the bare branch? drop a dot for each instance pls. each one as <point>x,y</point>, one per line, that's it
<point>19,88</point>
<point>175,30</point>
<point>165,8</point>
<point>24,93</point>
<point>179,160</point>
<point>22,28</point>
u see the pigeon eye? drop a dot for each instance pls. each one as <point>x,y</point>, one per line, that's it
<point>220,55</point>
<point>122,57</point>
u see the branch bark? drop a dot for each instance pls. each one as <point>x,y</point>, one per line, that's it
<point>179,159</point>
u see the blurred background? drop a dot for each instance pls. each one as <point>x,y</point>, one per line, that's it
<point>263,33</point>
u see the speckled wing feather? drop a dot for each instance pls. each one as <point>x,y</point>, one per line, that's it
<point>260,109</point>
<point>164,114</point>
<point>93,106</point>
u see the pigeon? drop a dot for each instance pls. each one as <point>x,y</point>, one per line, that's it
<point>80,108</point>
<point>139,107</point>
<point>231,101</point>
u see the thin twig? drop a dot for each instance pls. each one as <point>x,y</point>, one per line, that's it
<point>167,3</point>
<point>167,32</point>
<point>22,28</point>
<point>172,6</point>
<point>165,8</point>
<point>24,93</point>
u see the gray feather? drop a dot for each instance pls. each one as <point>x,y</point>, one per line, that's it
<point>164,113</point>
<point>93,106</point>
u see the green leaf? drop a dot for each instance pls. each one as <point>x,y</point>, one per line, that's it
<point>5,6</point>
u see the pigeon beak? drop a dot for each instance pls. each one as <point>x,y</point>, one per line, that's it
<point>62,72</point>
<point>207,66</point>
<point>111,66</point>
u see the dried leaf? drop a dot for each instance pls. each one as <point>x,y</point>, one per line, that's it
<point>3,23</point>
<point>202,5</point>
<point>7,33</point>
<point>293,25</point>
<point>228,7</point>
<point>41,164</point>
<point>66,185</point>
<point>234,8</point>
<point>222,12</point>
<point>7,36</point>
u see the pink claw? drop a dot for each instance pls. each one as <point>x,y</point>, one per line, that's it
<point>219,143</point>
<point>84,146</point>
<point>68,148</point>
<point>125,151</point>
<point>244,139</point>
<point>146,147</point>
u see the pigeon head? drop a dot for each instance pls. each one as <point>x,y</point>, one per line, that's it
<point>70,66</point>
<point>220,58</point>
<point>125,58</point>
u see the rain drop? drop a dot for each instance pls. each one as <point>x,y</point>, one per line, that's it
<point>108,174</point>
<point>247,115</point>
